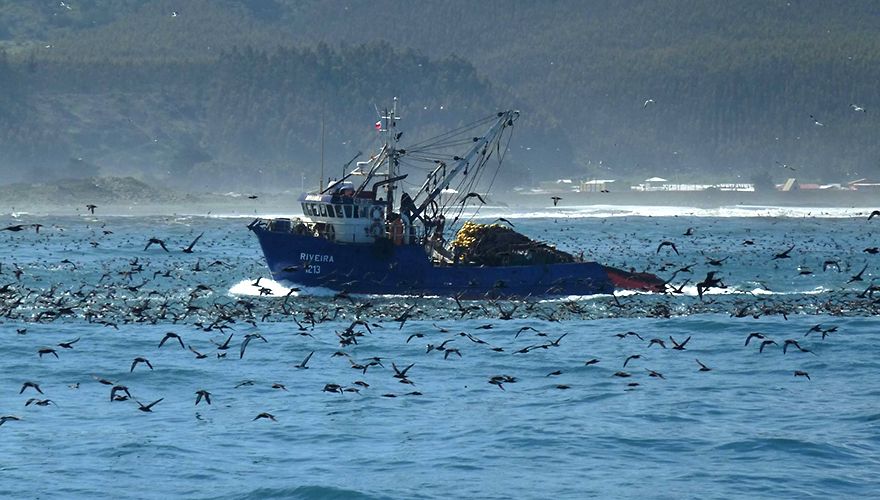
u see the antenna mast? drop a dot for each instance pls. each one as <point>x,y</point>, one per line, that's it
<point>321,180</point>
<point>390,118</point>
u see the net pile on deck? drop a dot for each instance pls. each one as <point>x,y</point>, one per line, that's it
<point>497,245</point>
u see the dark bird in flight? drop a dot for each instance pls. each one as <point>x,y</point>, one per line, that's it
<point>16,228</point>
<point>502,219</point>
<point>140,360</point>
<point>224,345</point>
<point>816,122</point>
<point>47,350</point>
<point>627,334</point>
<point>332,388</point>
<point>253,197</point>
<point>814,328</point>
<point>265,415</point>
<point>201,393</point>
<point>305,362</point>
<point>765,344</point>
<point>148,408</point>
<point>830,263</point>
<point>670,244</point>
<point>7,418</point>
<point>801,373</point>
<point>555,200</point>
<point>40,402</point>
<point>794,342</point>
<point>784,255</point>
<point>874,214</point>
<point>35,386</point>
<point>91,208</point>
<point>703,368</point>
<point>634,356</point>
<point>156,241</point>
<point>858,277</point>
<point>119,388</point>
<point>68,344</point>
<point>172,335</point>
<point>677,346</point>
<point>401,374</point>
<point>872,250</point>
<point>716,262</point>
<point>709,281</point>
<point>658,342</point>
<point>689,232</point>
<point>473,195</point>
<point>247,340</point>
<point>197,353</point>
<point>754,335</point>
<point>591,362</point>
<point>189,249</point>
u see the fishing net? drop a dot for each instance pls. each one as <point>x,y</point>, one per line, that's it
<point>497,245</point>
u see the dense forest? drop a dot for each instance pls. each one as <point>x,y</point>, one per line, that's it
<point>228,94</point>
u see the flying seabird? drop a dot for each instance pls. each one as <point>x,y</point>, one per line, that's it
<point>189,249</point>
<point>149,407</point>
<point>172,335</point>
<point>670,244</point>
<point>156,241</point>
<point>305,362</point>
<point>140,360</point>
<point>201,393</point>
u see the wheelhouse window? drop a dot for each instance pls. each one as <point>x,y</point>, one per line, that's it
<point>339,211</point>
<point>347,209</point>
<point>323,210</point>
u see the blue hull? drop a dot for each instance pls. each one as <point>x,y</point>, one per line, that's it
<point>384,268</point>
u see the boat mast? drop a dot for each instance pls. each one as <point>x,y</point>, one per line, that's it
<point>321,180</point>
<point>390,118</point>
<point>441,176</point>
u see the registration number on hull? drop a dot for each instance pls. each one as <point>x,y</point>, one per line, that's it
<point>310,261</point>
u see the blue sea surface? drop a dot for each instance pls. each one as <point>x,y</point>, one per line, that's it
<point>555,427</point>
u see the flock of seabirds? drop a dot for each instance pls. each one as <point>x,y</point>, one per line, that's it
<point>122,296</point>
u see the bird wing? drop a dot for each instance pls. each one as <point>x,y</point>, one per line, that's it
<point>191,245</point>
<point>244,344</point>
<point>305,361</point>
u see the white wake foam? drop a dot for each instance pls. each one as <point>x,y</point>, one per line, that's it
<point>248,289</point>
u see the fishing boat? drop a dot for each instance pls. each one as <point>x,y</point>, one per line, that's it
<point>364,233</point>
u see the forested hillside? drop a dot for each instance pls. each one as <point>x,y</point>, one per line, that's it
<point>215,94</point>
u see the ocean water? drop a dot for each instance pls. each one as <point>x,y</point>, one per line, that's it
<point>555,428</point>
